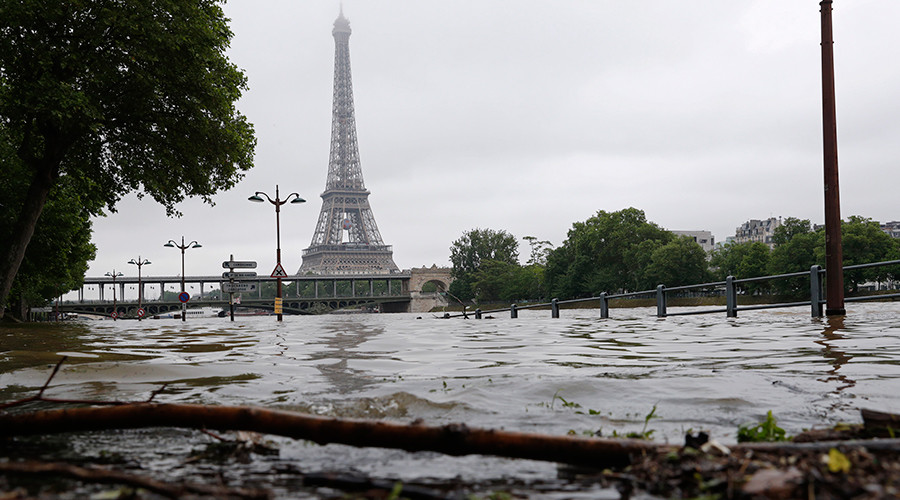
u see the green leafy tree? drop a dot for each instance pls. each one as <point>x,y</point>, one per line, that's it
<point>117,97</point>
<point>864,242</point>
<point>798,254</point>
<point>608,252</point>
<point>749,259</point>
<point>790,227</point>
<point>57,257</point>
<point>540,249</point>
<point>471,250</point>
<point>679,262</point>
<point>493,280</point>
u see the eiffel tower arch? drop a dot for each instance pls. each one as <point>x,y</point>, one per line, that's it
<point>346,239</point>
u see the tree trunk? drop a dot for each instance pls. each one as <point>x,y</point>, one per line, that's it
<point>44,177</point>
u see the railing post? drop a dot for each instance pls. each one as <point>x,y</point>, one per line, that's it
<point>815,291</point>
<point>513,311</point>
<point>730,297</point>
<point>554,308</point>
<point>604,306</point>
<point>477,313</point>
<point>660,301</point>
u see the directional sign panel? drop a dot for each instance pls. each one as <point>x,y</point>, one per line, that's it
<point>239,275</point>
<point>242,264</point>
<point>238,287</point>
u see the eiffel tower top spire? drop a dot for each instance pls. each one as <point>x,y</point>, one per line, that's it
<point>346,239</point>
<point>341,24</point>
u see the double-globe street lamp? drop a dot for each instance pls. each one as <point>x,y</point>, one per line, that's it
<point>139,262</point>
<point>114,275</point>
<point>183,247</point>
<point>279,270</point>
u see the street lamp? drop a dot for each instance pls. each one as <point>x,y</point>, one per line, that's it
<point>183,247</point>
<point>279,271</point>
<point>139,263</point>
<point>114,275</point>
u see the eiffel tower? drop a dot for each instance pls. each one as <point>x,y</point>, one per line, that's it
<point>346,240</point>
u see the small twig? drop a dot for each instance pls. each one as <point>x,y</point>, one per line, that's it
<point>214,435</point>
<point>40,395</point>
<point>154,393</point>
<point>50,378</point>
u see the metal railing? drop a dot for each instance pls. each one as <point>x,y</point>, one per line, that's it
<point>816,276</point>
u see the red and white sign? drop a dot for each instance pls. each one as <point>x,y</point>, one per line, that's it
<point>141,312</point>
<point>279,271</point>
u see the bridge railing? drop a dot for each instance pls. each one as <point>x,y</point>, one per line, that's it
<point>729,288</point>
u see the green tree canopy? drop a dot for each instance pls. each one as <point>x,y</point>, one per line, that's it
<point>749,259</point>
<point>60,249</point>
<point>862,240</point>
<point>472,250</point>
<point>607,252</point>
<point>681,261</point>
<point>790,227</point>
<point>118,97</point>
<point>477,245</point>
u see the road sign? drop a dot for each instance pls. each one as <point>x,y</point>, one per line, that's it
<point>278,305</point>
<point>238,287</point>
<point>279,271</point>
<point>243,264</point>
<point>184,297</point>
<point>114,315</point>
<point>141,312</point>
<point>238,275</point>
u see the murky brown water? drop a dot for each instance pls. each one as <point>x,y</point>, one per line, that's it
<point>533,374</point>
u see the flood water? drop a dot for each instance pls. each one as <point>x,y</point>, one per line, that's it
<point>533,374</point>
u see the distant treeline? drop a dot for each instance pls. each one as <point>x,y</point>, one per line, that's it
<point>622,251</point>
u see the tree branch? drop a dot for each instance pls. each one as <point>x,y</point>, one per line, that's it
<point>451,439</point>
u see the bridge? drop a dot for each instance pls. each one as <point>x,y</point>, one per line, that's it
<point>311,294</point>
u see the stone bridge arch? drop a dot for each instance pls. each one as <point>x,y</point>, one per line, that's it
<point>425,301</point>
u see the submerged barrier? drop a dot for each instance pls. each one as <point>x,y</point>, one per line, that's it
<point>816,301</point>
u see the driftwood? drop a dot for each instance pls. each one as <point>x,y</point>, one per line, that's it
<point>452,439</point>
<point>879,423</point>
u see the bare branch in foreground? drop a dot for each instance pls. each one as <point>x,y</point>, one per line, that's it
<point>452,439</point>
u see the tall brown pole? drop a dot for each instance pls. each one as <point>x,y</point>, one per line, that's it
<point>834,284</point>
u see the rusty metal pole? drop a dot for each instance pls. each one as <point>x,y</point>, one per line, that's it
<point>834,286</point>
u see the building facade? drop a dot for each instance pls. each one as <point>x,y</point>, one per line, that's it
<point>705,239</point>
<point>757,230</point>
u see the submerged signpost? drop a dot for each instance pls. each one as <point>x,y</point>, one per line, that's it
<point>233,286</point>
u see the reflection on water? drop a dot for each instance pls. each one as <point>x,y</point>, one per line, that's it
<point>578,373</point>
<point>341,341</point>
<point>831,337</point>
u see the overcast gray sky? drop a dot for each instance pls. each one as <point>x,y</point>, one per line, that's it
<point>529,115</point>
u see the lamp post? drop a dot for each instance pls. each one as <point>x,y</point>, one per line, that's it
<point>182,247</point>
<point>139,262</point>
<point>114,275</point>
<point>279,271</point>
